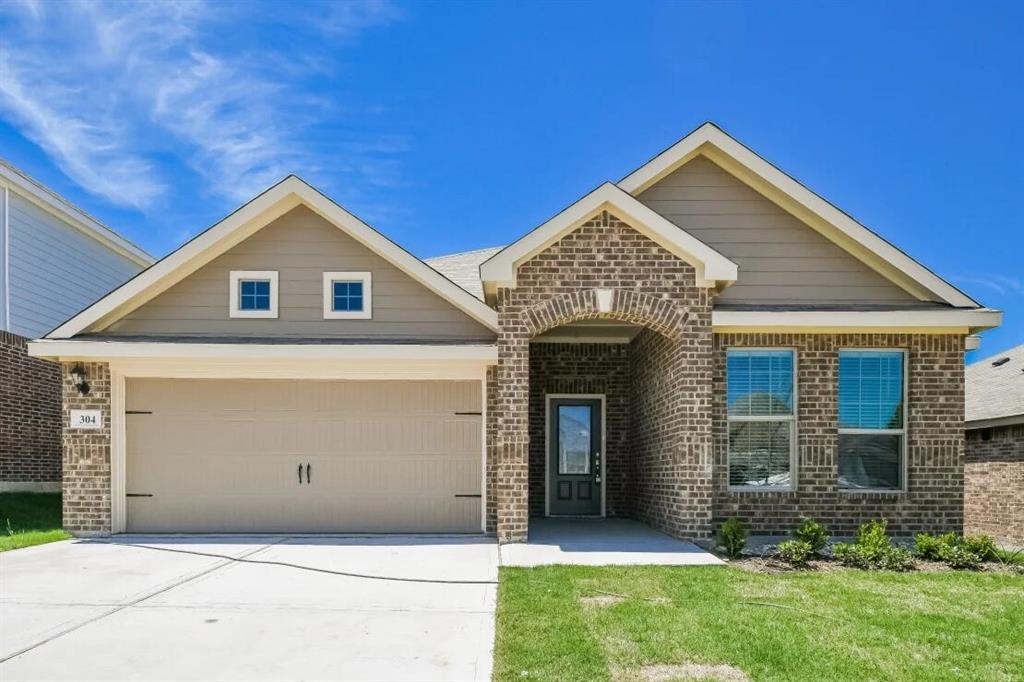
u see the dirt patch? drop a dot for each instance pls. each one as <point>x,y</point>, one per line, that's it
<point>601,600</point>
<point>689,671</point>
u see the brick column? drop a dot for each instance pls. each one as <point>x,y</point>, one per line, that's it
<point>86,482</point>
<point>512,423</point>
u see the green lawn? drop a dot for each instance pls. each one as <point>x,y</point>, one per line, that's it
<point>840,625</point>
<point>28,519</point>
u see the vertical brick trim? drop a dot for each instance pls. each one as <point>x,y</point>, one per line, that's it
<point>994,483</point>
<point>934,500</point>
<point>30,425</point>
<point>650,287</point>
<point>87,454</point>
<point>491,511</point>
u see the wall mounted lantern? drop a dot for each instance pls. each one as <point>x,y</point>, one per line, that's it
<point>78,379</point>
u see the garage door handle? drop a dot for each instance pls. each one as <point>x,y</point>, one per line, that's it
<point>300,474</point>
<point>309,470</point>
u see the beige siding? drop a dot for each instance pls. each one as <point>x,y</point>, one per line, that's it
<point>383,456</point>
<point>301,246</point>
<point>781,260</point>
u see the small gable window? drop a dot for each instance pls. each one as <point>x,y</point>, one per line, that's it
<point>347,296</point>
<point>253,294</point>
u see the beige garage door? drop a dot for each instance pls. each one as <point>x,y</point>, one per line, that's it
<point>303,456</point>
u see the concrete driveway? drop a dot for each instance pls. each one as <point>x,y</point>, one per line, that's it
<point>249,608</point>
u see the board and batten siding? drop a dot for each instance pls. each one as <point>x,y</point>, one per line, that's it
<point>301,246</point>
<point>55,269</point>
<point>781,260</point>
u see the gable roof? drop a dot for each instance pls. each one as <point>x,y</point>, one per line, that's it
<point>711,141</point>
<point>995,389</point>
<point>245,221</point>
<point>464,268</point>
<point>713,269</point>
<point>53,203</point>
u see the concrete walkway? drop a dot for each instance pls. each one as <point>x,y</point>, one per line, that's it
<point>249,608</point>
<point>601,542</point>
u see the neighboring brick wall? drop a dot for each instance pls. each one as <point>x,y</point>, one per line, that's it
<point>935,468</point>
<point>491,496</point>
<point>583,368</point>
<point>87,455</point>
<point>650,287</point>
<point>994,492</point>
<point>30,424</point>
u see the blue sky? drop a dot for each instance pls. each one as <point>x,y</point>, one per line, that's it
<point>451,126</point>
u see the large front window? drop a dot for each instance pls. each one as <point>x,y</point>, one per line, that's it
<point>762,418</point>
<point>872,431</point>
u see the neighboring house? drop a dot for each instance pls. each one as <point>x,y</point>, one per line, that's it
<point>995,447</point>
<point>704,339</point>
<point>54,261</point>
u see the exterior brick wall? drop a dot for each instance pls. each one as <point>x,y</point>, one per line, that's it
<point>994,483</point>
<point>583,368</point>
<point>87,455</point>
<point>30,422</point>
<point>934,500</point>
<point>650,287</point>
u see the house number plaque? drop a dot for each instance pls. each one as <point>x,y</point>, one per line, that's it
<point>86,419</point>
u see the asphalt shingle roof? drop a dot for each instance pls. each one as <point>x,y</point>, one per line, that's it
<point>995,389</point>
<point>464,268</point>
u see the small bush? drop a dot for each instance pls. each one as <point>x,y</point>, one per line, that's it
<point>795,552</point>
<point>733,537</point>
<point>874,549</point>
<point>812,533</point>
<point>928,547</point>
<point>958,556</point>
<point>981,545</point>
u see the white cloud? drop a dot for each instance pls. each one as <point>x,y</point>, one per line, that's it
<point>1001,284</point>
<point>108,89</point>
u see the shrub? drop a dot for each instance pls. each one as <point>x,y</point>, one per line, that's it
<point>958,556</point>
<point>733,537</point>
<point>795,552</point>
<point>813,533</point>
<point>928,547</point>
<point>873,549</point>
<point>981,545</point>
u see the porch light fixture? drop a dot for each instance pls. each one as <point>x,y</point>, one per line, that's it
<point>78,379</point>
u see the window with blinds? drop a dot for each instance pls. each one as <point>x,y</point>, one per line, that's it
<point>872,430</point>
<point>761,401</point>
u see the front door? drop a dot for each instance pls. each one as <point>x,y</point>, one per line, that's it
<point>574,457</point>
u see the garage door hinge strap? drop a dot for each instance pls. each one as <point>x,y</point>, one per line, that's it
<point>477,496</point>
<point>470,414</point>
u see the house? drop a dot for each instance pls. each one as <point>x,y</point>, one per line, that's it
<point>704,339</point>
<point>54,260</point>
<point>994,471</point>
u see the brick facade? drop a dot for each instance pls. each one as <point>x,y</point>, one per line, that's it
<point>994,480</point>
<point>87,455</point>
<point>650,287</point>
<point>934,500</point>
<point>30,417</point>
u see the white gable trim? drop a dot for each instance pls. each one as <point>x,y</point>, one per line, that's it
<point>711,141</point>
<point>271,204</point>
<point>713,269</point>
<point>26,187</point>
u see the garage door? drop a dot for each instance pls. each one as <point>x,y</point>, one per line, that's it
<point>303,456</point>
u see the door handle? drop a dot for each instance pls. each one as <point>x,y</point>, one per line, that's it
<point>309,469</point>
<point>597,467</point>
<point>300,474</point>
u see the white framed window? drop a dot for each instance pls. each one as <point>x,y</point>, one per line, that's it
<point>872,419</point>
<point>348,296</point>
<point>761,404</point>
<point>253,294</point>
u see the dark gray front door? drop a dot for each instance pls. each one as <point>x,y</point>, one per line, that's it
<point>574,457</point>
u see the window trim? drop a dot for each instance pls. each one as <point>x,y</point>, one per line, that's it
<point>367,280</point>
<point>904,432</point>
<point>235,278</point>
<point>793,419</point>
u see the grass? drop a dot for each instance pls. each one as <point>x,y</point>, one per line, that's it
<point>840,625</point>
<point>28,519</point>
